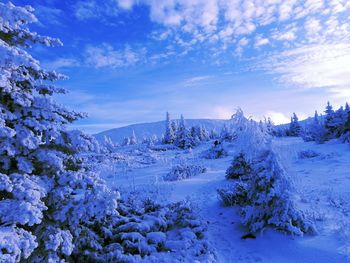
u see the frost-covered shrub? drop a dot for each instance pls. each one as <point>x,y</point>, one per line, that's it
<point>147,231</point>
<point>163,147</point>
<point>239,168</point>
<point>184,171</point>
<point>269,201</point>
<point>215,152</point>
<point>235,194</point>
<point>306,154</point>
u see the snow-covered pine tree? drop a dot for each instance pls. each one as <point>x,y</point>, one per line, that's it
<point>126,141</point>
<point>108,143</point>
<point>133,139</point>
<point>239,168</point>
<point>315,131</point>
<point>169,135</point>
<point>195,134</point>
<point>328,121</point>
<point>269,201</point>
<point>213,134</point>
<point>294,126</point>
<point>48,199</point>
<point>339,119</point>
<point>270,126</point>
<point>226,134</point>
<point>345,132</point>
<point>204,133</point>
<point>347,108</point>
<point>183,137</point>
<point>264,197</point>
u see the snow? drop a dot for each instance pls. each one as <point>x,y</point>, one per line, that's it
<point>320,184</point>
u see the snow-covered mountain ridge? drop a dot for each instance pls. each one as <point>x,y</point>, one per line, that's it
<point>156,128</point>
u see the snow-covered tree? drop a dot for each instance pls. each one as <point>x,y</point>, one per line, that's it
<point>239,168</point>
<point>126,141</point>
<point>133,139</point>
<point>294,126</point>
<point>345,132</point>
<point>226,133</point>
<point>108,143</point>
<point>269,201</point>
<point>170,130</point>
<point>329,115</point>
<point>183,137</point>
<point>49,200</point>
<point>195,134</point>
<point>315,131</point>
<point>270,126</point>
<point>264,196</point>
<point>213,134</point>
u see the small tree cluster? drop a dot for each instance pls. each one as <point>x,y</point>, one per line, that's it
<point>294,126</point>
<point>315,131</point>
<point>264,197</point>
<point>181,136</point>
<point>334,124</point>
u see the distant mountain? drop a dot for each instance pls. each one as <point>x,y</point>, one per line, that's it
<point>155,128</point>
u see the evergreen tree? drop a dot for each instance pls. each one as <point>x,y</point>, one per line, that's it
<point>126,141</point>
<point>270,126</point>
<point>345,132</point>
<point>49,199</point>
<point>239,168</point>
<point>183,138</point>
<point>108,143</point>
<point>133,139</point>
<point>315,131</point>
<point>195,134</point>
<point>169,135</point>
<point>226,134</point>
<point>213,134</point>
<point>268,201</point>
<point>329,119</point>
<point>294,127</point>
<point>174,128</point>
<point>204,133</point>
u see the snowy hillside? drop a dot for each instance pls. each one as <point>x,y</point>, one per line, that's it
<point>155,128</point>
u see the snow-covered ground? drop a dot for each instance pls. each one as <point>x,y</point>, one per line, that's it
<point>320,175</point>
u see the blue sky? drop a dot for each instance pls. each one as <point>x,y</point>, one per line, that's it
<point>130,61</point>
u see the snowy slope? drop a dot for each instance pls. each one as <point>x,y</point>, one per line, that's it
<point>155,128</point>
<point>321,186</point>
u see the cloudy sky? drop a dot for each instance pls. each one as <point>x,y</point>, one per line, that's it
<point>130,61</point>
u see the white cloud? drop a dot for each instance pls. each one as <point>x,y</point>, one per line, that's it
<point>226,21</point>
<point>317,66</point>
<point>222,23</point>
<point>260,41</point>
<point>126,4</point>
<point>62,63</point>
<point>106,56</point>
<point>197,80</point>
